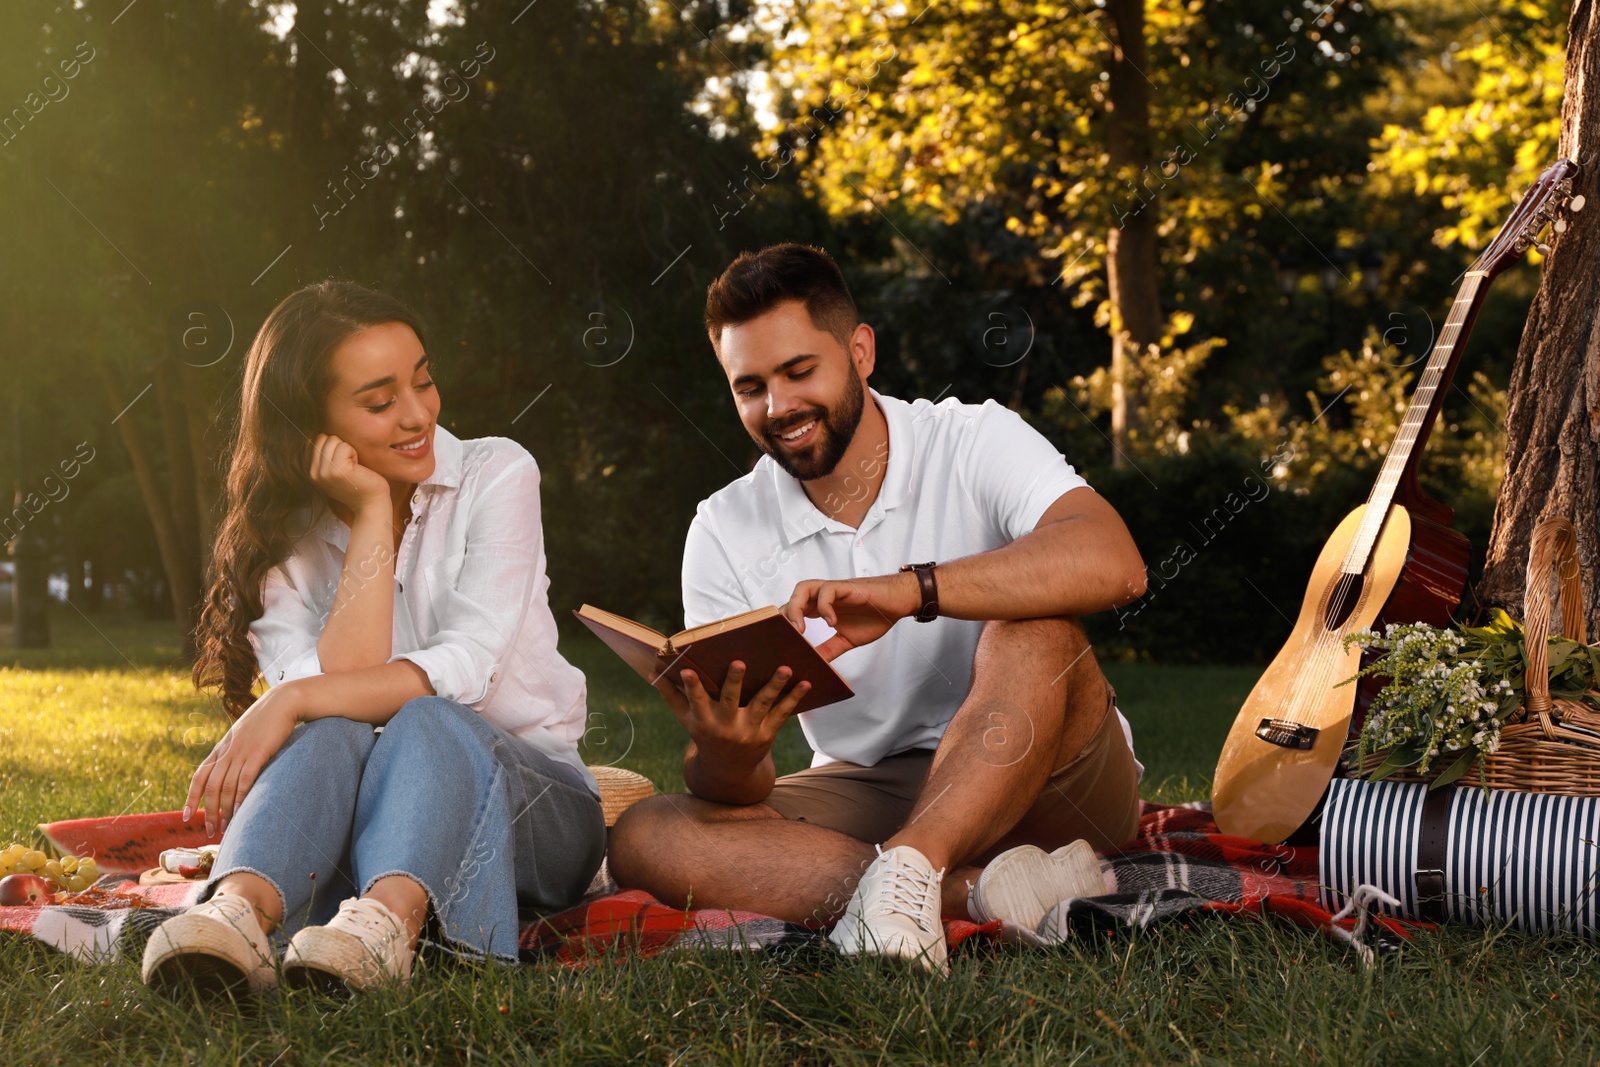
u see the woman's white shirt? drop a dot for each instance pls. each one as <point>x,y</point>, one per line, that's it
<point>471,605</point>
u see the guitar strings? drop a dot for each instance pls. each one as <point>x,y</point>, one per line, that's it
<point>1314,683</point>
<point>1309,687</point>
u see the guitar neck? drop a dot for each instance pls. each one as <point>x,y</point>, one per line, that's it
<point>1405,453</point>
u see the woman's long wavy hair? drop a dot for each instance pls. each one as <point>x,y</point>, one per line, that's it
<point>287,375</point>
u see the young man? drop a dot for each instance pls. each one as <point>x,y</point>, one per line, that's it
<point>982,733</point>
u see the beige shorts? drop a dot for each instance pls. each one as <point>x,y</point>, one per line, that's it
<point>1094,797</point>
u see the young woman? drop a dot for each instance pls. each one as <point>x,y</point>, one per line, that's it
<point>379,572</point>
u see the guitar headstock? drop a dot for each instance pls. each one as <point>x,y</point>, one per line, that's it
<point>1539,207</point>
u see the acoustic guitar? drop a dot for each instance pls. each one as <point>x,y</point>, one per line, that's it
<point>1393,559</point>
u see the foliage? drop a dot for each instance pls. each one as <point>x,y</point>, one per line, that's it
<point>1289,476</point>
<point>1353,417</point>
<point>1258,138</point>
<point>1574,668</point>
<point>1226,546</point>
<point>1006,104</point>
<point>1161,380</point>
<point>1512,55</point>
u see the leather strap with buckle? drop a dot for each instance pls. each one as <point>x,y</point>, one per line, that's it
<point>1431,839</point>
<point>930,590</point>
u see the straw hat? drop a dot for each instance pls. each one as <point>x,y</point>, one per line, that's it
<point>620,789</point>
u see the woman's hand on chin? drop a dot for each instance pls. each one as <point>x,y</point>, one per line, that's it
<point>337,473</point>
<point>224,777</point>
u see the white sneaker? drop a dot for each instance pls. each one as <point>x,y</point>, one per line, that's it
<point>895,911</point>
<point>217,947</point>
<point>1023,884</point>
<point>363,945</point>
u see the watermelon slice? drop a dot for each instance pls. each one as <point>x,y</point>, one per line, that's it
<point>126,844</point>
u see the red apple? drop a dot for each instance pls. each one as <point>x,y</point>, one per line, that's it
<point>27,890</point>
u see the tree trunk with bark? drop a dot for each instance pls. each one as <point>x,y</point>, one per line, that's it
<point>174,526</point>
<point>1131,260</point>
<point>1553,412</point>
<point>30,585</point>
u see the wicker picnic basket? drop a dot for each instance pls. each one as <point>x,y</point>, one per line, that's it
<point>1550,745</point>
<point>619,790</point>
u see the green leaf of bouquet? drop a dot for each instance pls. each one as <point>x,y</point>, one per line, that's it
<point>1384,769</point>
<point>1499,623</point>
<point>1455,770</point>
<point>1399,756</point>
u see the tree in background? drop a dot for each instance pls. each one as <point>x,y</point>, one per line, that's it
<point>1141,152</point>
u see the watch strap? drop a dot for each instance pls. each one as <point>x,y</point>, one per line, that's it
<point>930,590</point>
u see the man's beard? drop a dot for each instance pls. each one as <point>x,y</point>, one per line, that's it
<point>836,427</point>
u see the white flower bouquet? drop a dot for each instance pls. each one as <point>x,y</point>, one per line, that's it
<point>1520,702</point>
<point>1442,706</point>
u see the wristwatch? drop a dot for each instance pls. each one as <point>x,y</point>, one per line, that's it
<point>930,590</point>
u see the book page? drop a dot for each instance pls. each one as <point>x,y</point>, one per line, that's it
<point>683,638</point>
<point>627,627</point>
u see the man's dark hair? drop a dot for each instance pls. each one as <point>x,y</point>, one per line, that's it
<point>757,282</point>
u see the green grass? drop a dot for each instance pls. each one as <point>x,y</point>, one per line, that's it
<point>104,723</point>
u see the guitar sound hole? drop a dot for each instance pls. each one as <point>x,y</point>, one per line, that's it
<point>1346,595</point>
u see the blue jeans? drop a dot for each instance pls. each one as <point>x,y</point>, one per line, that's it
<point>478,818</point>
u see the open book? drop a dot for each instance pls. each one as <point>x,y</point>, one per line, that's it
<point>763,639</point>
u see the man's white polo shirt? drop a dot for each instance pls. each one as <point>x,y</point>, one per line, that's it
<point>959,479</point>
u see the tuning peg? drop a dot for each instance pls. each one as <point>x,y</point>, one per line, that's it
<point>1544,249</point>
<point>1560,226</point>
<point>1576,203</point>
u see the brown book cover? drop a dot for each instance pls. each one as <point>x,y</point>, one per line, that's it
<point>762,638</point>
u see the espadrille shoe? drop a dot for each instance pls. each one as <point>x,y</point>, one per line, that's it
<point>1023,884</point>
<point>365,944</point>
<point>216,947</point>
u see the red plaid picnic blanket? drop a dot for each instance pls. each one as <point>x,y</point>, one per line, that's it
<point>1180,865</point>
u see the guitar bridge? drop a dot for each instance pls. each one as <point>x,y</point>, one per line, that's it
<point>1287,734</point>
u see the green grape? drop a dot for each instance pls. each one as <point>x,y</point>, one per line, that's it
<point>73,873</point>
